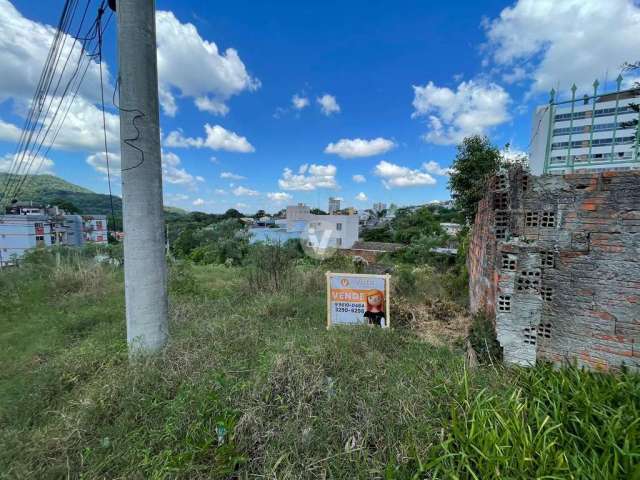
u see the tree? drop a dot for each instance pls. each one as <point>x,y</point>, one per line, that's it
<point>232,213</point>
<point>409,225</point>
<point>317,211</point>
<point>259,214</point>
<point>476,162</point>
<point>66,205</point>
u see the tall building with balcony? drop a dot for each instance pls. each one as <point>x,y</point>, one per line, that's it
<point>586,134</point>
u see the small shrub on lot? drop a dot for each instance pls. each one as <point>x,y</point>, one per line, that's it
<point>270,268</point>
<point>182,281</point>
<point>482,336</point>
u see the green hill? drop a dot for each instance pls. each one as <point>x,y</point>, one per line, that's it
<point>50,189</point>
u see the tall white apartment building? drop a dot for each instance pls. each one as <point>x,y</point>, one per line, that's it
<point>379,207</point>
<point>590,133</point>
<point>334,205</point>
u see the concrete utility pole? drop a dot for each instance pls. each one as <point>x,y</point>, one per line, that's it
<point>145,268</point>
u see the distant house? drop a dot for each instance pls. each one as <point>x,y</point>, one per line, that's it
<point>28,226</point>
<point>335,231</point>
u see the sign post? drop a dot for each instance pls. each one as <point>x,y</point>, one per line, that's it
<point>358,299</point>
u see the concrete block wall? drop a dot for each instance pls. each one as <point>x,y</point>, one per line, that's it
<point>556,259</point>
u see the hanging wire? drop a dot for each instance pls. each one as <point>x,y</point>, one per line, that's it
<point>44,114</point>
<point>104,118</point>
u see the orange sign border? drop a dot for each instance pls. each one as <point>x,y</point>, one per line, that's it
<point>387,282</point>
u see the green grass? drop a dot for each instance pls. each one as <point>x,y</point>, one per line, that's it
<point>252,385</point>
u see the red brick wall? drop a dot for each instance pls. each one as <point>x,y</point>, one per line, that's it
<point>481,261</point>
<point>564,281</point>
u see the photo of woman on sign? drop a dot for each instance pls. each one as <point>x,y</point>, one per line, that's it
<point>374,313</point>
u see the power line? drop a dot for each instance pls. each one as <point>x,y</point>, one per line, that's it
<point>44,117</point>
<point>104,118</point>
<point>15,166</point>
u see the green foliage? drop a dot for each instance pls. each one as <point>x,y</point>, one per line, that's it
<point>251,384</point>
<point>565,423</point>
<point>224,241</point>
<point>377,234</point>
<point>482,336</point>
<point>182,280</point>
<point>270,268</point>
<point>409,225</point>
<point>476,161</point>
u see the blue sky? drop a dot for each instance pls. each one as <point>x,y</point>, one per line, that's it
<point>383,91</point>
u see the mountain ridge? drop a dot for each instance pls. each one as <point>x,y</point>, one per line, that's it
<point>51,189</point>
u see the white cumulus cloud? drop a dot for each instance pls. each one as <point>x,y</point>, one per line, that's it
<point>231,176</point>
<point>198,202</point>
<point>328,104</point>
<point>435,168</point>
<point>244,192</point>
<point>190,66</point>
<point>309,177</point>
<point>358,147</point>
<point>357,178</point>
<point>563,41</point>
<point>99,163</point>
<point>39,165</point>
<point>218,138</point>
<point>473,108</point>
<point>279,196</point>
<point>299,102</point>
<point>393,175</point>
<point>362,197</point>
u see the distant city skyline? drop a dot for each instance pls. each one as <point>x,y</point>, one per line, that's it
<point>266,105</point>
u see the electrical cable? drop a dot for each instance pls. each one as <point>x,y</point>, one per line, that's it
<point>40,96</point>
<point>28,150</point>
<point>104,119</point>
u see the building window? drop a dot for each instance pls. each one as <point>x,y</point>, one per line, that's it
<point>338,226</point>
<point>528,281</point>
<point>500,201</point>
<point>547,293</point>
<point>504,303</point>
<point>531,219</point>
<point>548,219</point>
<point>38,225</point>
<point>544,330</point>
<point>339,241</point>
<point>530,335</point>
<point>547,259</point>
<point>509,262</point>
<point>39,238</point>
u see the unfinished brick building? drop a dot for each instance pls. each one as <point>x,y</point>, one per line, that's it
<point>556,260</point>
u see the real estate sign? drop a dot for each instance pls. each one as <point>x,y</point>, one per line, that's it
<point>357,299</point>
